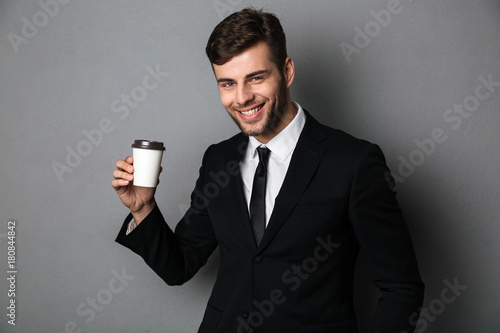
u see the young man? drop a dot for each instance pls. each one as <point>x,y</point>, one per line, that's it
<point>288,220</point>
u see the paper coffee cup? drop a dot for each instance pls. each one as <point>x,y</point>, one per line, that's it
<point>147,159</point>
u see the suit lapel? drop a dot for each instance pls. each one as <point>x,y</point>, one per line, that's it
<point>305,160</point>
<point>237,193</point>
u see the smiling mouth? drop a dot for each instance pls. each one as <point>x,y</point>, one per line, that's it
<point>253,111</point>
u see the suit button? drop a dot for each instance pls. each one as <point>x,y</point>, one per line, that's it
<point>244,314</point>
<point>258,259</point>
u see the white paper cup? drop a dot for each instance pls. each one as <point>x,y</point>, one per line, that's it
<point>147,160</point>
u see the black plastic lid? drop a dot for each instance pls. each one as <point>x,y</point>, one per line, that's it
<point>148,144</point>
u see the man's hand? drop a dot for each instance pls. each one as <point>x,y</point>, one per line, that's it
<point>140,200</point>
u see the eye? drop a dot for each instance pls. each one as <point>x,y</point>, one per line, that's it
<point>228,84</point>
<point>257,78</point>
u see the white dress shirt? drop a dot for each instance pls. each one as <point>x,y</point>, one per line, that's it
<point>281,147</point>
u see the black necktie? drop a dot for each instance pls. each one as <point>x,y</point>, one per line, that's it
<point>258,199</point>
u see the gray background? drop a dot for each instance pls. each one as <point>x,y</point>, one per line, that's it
<point>64,79</point>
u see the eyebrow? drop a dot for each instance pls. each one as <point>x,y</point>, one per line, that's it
<point>259,72</point>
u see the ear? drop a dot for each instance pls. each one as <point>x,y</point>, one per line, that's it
<point>289,71</point>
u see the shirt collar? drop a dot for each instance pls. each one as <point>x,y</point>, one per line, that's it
<point>283,144</point>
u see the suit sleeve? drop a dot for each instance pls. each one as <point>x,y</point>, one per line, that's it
<point>386,244</point>
<point>174,256</point>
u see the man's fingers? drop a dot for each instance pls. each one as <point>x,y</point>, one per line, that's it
<point>122,175</point>
<point>118,183</point>
<point>124,166</point>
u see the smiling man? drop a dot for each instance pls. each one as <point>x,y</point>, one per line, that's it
<point>255,92</point>
<point>288,202</point>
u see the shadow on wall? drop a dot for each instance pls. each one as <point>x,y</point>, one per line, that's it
<point>320,86</point>
<point>326,87</point>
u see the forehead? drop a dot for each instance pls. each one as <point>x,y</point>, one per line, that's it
<point>257,57</point>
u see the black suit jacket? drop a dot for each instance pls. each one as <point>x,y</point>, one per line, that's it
<point>336,197</point>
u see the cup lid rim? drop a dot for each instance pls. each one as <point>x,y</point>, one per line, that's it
<point>148,144</point>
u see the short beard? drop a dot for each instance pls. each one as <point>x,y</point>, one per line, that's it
<point>274,117</point>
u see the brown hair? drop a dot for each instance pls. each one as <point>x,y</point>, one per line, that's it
<point>244,29</point>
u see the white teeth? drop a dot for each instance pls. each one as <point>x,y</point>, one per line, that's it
<point>250,112</point>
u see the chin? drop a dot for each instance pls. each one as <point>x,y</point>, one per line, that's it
<point>251,131</point>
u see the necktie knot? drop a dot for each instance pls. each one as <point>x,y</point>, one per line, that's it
<point>264,153</point>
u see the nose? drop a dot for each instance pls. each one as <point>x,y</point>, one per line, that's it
<point>244,94</point>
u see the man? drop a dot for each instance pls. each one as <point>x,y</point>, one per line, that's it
<point>288,220</point>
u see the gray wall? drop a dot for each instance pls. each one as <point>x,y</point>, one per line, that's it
<point>401,84</point>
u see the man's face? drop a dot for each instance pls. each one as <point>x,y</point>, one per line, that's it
<point>254,92</point>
